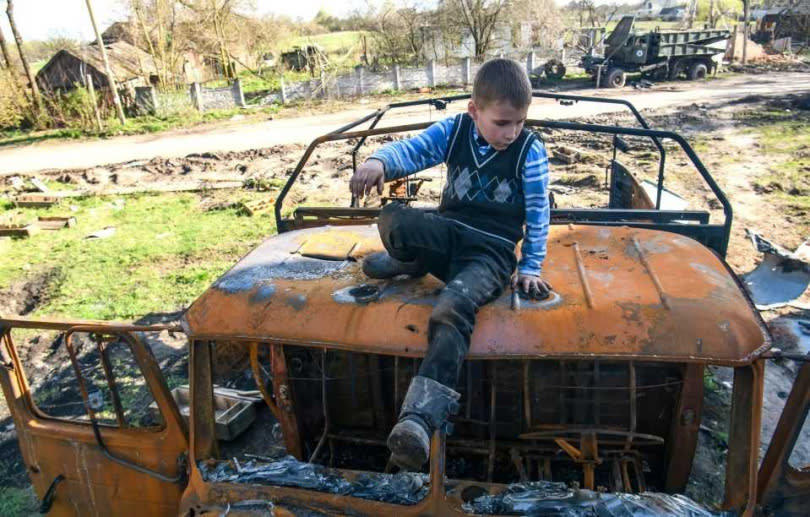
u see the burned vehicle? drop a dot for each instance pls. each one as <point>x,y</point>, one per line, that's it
<point>586,403</point>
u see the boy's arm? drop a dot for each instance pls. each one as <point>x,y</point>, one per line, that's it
<point>405,157</point>
<point>538,212</point>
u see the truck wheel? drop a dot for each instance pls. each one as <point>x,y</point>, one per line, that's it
<point>615,78</point>
<point>676,70</point>
<point>698,71</point>
<point>554,68</point>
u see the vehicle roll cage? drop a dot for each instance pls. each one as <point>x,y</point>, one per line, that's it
<point>715,236</point>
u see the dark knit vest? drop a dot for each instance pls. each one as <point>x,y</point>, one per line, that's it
<point>485,192</point>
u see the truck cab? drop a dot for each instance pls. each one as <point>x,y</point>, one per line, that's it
<point>587,401</point>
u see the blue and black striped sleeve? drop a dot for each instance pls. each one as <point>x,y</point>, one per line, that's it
<point>425,150</point>
<point>538,211</point>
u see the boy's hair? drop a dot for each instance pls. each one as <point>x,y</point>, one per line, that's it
<point>502,80</point>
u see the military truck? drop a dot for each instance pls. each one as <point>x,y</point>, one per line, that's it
<point>586,403</point>
<point>657,54</point>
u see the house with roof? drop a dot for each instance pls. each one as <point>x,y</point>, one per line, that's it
<point>68,68</point>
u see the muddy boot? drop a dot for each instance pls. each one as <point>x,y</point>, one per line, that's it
<point>426,408</point>
<point>382,265</point>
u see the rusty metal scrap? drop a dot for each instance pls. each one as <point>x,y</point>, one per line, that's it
<point>781,277</point>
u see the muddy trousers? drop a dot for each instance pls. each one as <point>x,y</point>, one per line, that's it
<point>475,268</point>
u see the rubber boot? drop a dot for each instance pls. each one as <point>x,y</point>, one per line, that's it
<point>381,265</point>
<point>426,407</point>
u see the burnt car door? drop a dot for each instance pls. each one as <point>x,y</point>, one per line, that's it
<point>98,429</point>
<point>784,477</point>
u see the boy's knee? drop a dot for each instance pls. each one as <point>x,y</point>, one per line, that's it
<point>393,224</point>
<point>454,309</point>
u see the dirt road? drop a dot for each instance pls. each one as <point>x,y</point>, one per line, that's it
<point>235,136</point>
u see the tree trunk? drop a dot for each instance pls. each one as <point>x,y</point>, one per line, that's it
<point>138,8</point>
<point>161,70</point>
<point>4,49</point>
<point>219,30</point>
<point>19,41</point>
<point>107,70</point>
<point>746,16</point>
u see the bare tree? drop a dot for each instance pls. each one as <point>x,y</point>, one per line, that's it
<point>19,41</point>
<point>107,70</point>
<point>413,18</point>
<point>478,18</point>
<point>4,49</point>
<point>546,22</point>
<point>138,9</point>
<point>219,15</point>
<point>390,33</point>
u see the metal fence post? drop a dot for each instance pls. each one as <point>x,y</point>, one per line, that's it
<point>283,91</point>
<point>323,85</point>
<point>359,71</point>
<point>196,96</point>
<point>530,63</point>
<point>397,85</point>
<point>145,100</point>
<point>431,73</point>
<point>466,70</point>
<point>238,95</point>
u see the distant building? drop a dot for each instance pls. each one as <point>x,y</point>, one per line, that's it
<point>652,9</point>
<point>68,68</point>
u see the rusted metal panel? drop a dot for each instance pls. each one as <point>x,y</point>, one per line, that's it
<point>783,490</point>
<point>684,432</point>
<point>94,485</point>
<point>620,293</point>
<point>743,439</point>
<point>286,401</point>
<point>203,414</point>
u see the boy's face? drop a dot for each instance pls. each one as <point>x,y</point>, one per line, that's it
<point>499,123</point>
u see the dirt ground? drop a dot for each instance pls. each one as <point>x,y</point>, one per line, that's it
<point>722,133</point>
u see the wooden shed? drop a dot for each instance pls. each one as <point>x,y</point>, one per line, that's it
<point>130,65</point>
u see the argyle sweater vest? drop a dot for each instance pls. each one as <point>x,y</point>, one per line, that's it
<point>485,192</point>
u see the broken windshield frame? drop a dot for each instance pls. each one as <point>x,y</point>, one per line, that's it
<point>712,235</point>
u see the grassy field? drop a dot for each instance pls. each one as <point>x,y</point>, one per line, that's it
<point>165,252</point>
<point>788,141</point>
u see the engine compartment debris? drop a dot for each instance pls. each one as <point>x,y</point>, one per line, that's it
<point>402,488</point>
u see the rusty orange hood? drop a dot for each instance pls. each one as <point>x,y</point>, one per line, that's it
<point>619,293</point>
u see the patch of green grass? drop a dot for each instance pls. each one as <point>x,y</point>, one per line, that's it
<point>786,140</point>
<point>709,382</point>
<point>18,502</point>
<point>8,138</point>
<point>164,253</point>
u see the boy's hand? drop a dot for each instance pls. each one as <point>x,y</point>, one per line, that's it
<point>366,177</point>
<point>534,286</point>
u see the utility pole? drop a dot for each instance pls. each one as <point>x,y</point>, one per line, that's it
<point>18,40</point>
<point>107,70</point>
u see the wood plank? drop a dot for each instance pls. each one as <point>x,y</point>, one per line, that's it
<point>36,200</point>
<point>19,230</point>
<point>56,222</point>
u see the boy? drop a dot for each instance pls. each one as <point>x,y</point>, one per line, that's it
<point>497,178</point>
